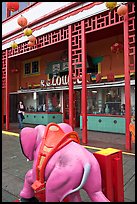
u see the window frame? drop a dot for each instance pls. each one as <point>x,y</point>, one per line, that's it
<point>31,71</point>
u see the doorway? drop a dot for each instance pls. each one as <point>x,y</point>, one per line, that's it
<point>13,107</point>
<point>76,107</point>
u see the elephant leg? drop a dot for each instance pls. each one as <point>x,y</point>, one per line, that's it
<point>93,186</point>
<point>27,191</point>
<point>61,181</point>
<point>74,197</point>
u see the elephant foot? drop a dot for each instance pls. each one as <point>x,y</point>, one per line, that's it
<point>33,199</point>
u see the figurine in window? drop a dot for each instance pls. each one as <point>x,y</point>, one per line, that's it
<point>123,109</point>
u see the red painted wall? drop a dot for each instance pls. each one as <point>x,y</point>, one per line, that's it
<point>98,48</point>
<point>111,60</point>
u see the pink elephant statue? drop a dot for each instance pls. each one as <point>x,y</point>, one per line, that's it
<point>68,170</point>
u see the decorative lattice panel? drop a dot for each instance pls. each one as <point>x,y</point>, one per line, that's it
<point>102,20</point>
<point>131,25</point>
<point>42,41</point>
<point>76,50</point>
<point>3,69</point>
<point>93,23</point>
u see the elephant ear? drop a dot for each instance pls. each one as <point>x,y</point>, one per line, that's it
<point>28,138</point>
<point>65,127</point>
<point>40,132</point>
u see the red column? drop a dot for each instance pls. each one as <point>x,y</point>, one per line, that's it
<point>3,108</point>
<point>71,114</point>
<point>7,91</point>
<point>127,82</point>
<point>84,85</point>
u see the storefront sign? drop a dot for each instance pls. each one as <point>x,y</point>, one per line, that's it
<point>59,81</point>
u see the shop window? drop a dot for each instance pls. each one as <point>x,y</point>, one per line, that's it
<point>49,102</point>
<point>53,102</point>
<point>31,68</point>
<point>105,101</point>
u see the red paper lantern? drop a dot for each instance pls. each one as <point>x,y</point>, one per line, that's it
<point>14,70</point>
<point>122,10</point>
<point>22,21</point>
<point>12,6</point>
<point>110,77</point>
<point>31,44</point>
<point>32,38</point>
<point>117,48</point>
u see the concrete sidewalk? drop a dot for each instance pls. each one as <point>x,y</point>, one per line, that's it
<point>95,139</point>
<point>15,166</point>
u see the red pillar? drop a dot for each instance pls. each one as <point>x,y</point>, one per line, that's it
<point>84,85</point>
<point>71,113</point>
<point>3,108</point>
<point>7,91</point>
<point>127,82</point>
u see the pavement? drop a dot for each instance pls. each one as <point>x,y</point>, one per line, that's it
<point>15,166</point>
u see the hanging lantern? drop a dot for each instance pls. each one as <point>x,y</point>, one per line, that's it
<point>117,48</point>
<point>111,5</point>
<point>110,77</point>
<point>122,10</point>
<point>98,78</point>
<point>31,44</point>
<point>64,56</point>
<point>12,6</point>
<point>32,38</point>
<point>22,21</point>
<point>14,45</point>
<point>27,31</point>
<point>14,70</point>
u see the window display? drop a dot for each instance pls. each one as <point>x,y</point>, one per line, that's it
<point>105,101</point>
<point>49,101</point>
<point>44,102</point>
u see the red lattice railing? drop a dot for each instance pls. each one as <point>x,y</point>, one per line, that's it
<point>76,50</point>
<point>131,25</point>
<point>42,41</point>
<point>93,23</point>
<point>102,20</point>
<point>3,69</point>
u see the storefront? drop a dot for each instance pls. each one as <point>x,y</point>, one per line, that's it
<point>78,69</point>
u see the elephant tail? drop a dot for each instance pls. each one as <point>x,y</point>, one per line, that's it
<point>83,181</point>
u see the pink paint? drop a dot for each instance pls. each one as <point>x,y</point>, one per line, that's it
<point>70,169</point>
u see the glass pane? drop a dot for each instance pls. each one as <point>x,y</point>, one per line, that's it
<point>27,67</point>
<point>53,102</point>
<point>3,11</point>
<point>35,67</point>
<point>105,101</point>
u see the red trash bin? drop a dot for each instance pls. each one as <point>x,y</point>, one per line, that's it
<point>111,165</point>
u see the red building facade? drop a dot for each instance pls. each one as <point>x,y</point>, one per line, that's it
<point>70,43</point>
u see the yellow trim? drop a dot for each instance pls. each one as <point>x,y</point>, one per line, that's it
<point>116,76</point>
<point>88,147</point>
<point>35,85</point>
<point>10,133</point>
<point>108,151</point>
<point>99,148</point>
<point>99,68</point>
